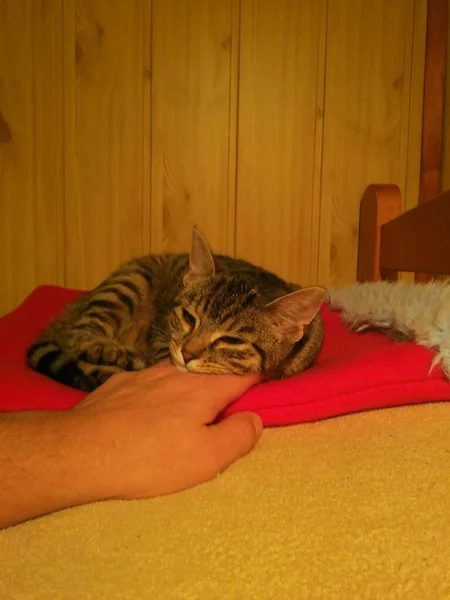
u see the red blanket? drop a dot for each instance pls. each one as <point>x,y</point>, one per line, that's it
<point>354,372</point>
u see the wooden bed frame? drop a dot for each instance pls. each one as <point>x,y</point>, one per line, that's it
<point>417,241</point>
<point>390,241</point>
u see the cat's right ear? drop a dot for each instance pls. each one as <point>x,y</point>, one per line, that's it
<point>201,260</point>
<point>293,312</point>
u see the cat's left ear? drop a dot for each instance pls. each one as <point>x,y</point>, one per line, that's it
<point>291,313</point>
<point>201,260</point>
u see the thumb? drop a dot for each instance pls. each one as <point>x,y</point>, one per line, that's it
<point>233,437</point>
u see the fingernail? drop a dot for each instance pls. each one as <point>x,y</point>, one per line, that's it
<point>258,424</point>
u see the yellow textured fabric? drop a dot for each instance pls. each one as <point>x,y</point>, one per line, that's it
<point>354,507</point>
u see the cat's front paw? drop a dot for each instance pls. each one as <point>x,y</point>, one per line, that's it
<point>110,353</point>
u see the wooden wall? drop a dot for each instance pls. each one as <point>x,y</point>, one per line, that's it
<point>445,175</point>
<point>123,123</point>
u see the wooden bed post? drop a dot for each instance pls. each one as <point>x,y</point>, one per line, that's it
<point>382,203</point>
<point>433,103</point>
<point>379,204</point>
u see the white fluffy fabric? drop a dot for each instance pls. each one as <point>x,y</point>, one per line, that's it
<point>420,312</point>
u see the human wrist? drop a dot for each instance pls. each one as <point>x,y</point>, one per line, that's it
<point>52,462</point>
<point>90,458</point>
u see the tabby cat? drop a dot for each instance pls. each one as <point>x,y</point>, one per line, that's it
<point>208,313</point>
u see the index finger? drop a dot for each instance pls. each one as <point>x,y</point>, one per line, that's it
<point>209,393</point>
<point>215,392</point>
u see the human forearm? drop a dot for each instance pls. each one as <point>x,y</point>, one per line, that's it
<point>45,464</point>
<point>141,434</point>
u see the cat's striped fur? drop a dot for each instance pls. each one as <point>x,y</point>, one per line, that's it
<point>208,313</point>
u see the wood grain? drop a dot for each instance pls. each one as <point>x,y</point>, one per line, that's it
<point>412,142</point>
<point>367,125</point>
<point>193,66</point>
<point>379,205</point>
<point>418,240</point>
<point>31,243</point>
<point>105,70</point>
<point>433,103</point>
<point>445,175</point>
<point>280,117</point>
<point>263,122</point>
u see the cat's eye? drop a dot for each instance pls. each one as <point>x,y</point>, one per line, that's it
<point>189,318</point>
<point>228,339</point>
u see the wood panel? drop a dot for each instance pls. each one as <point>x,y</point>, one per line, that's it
<point>193,122</point>
<point>369,135</point>
<point>433,104</point>
<point>279,137</point>
<point>106,74</point>
<point>262,122</point>
<point>418,240</point>
<point>413,142</point>
<point>445,177</point>
<point>30,147</point>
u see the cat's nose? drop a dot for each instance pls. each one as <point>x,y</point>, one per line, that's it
<point>187,356</point>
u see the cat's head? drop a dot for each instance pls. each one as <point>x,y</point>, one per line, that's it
<point>222,324</point>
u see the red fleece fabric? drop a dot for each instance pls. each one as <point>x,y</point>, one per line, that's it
<point>354,372</point>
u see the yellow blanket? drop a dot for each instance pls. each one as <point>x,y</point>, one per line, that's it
<point>353,507</point>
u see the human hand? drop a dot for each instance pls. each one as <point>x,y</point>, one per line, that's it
<point>155,430</point>
<point>141,434</point>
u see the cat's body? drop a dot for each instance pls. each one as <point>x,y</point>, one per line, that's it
<point>404,311</point>
<point>208,313</point>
